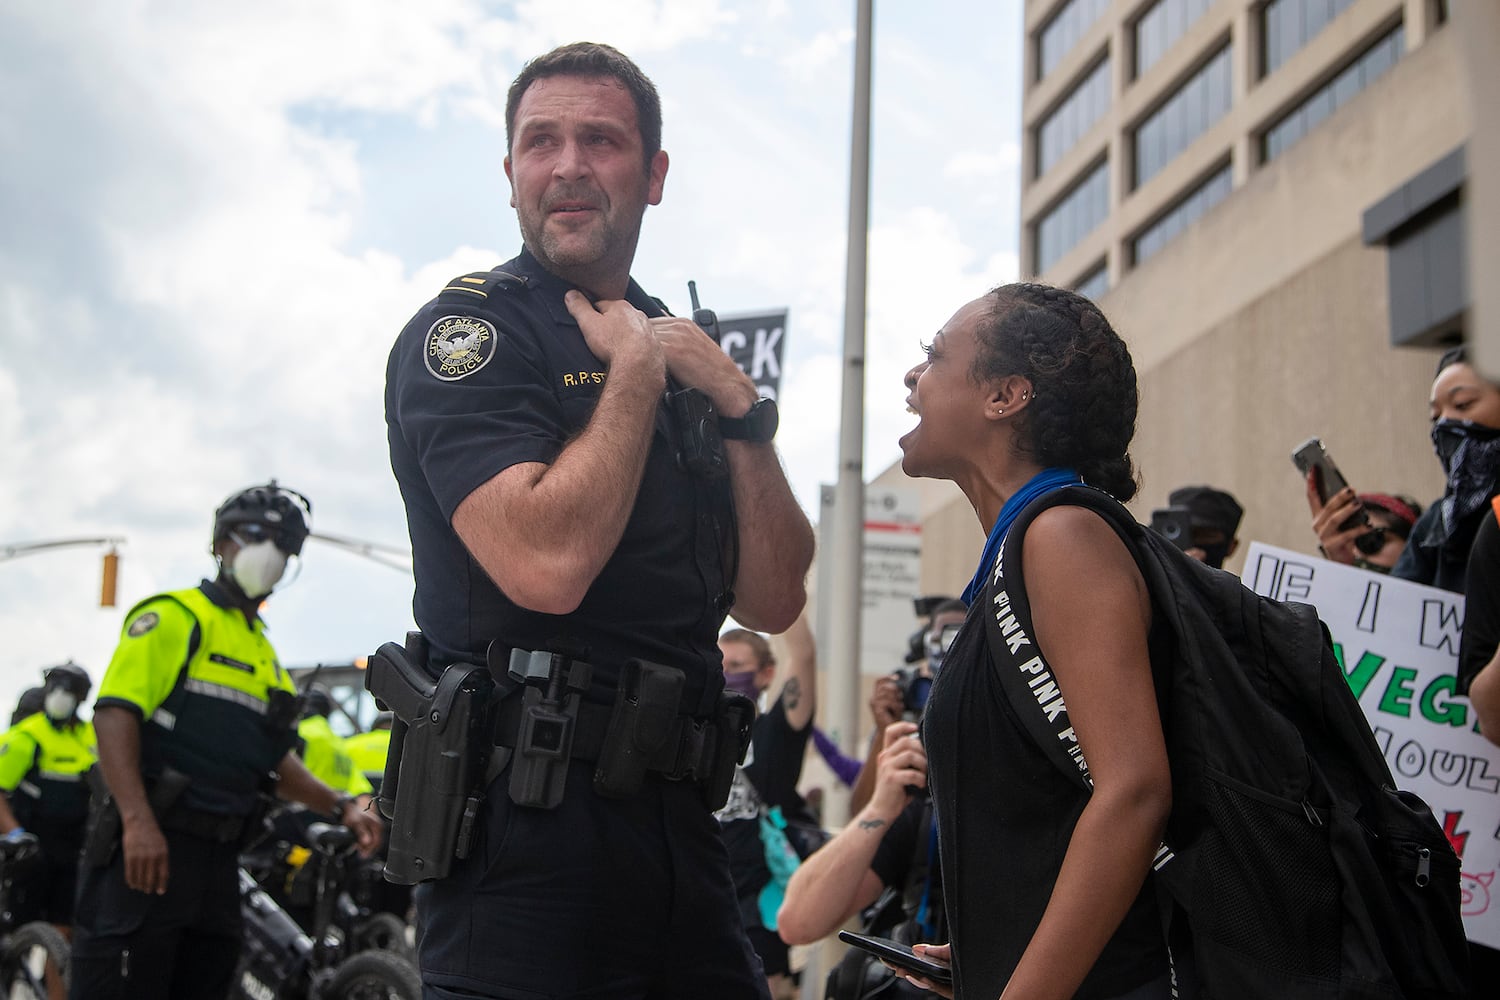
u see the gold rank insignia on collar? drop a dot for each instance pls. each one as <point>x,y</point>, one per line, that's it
<point>476,287</point>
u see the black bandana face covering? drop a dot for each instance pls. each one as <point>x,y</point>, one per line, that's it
<point>1470,454</point>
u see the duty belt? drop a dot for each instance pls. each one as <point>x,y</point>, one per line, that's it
<point>686,755</point>
<point>218,827</point>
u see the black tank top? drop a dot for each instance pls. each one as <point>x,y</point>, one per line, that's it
<point>1005,815</point>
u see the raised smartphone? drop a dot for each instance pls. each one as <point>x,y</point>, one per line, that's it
<point>899,955</point>
<point>1311,454</point>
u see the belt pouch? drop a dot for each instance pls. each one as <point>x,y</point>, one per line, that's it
<point>733,716</point>
<point>643,719</point>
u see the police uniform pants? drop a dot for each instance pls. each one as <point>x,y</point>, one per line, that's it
<point>606,899</point>
<point>182,945</point>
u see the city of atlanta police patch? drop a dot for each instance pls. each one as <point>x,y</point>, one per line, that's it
<point>458,346</point>
<point>142,625</point>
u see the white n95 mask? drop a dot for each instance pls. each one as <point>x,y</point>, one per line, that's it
<point>258,567</point>
<point>60,704</point>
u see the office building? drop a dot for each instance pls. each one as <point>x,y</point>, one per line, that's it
<point>1264,198</point>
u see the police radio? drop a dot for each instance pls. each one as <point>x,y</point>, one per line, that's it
<point>705,318</point>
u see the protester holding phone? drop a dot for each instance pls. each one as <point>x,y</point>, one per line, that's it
<point>1023,391</point>
<point>1465,415</point>
<point>1391,519</point>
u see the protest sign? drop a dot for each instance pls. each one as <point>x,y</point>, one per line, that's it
<point>755,344</point>
<point>1398,644</point>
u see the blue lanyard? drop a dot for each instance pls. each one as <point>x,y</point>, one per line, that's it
<point>1041,484</point>
<point>925,921</point>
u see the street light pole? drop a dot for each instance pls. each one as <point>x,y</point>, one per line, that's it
<point>849,494</point>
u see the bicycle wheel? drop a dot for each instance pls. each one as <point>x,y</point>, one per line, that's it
<point>384,932</point>
<point>35,963</point>
<point>374,975</point>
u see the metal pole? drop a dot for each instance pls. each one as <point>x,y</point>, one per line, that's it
<point>849,497</point>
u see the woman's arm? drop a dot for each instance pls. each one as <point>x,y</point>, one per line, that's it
<point>1092,614</point>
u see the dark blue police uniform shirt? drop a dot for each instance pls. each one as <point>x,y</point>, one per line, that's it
<point>476,385</point>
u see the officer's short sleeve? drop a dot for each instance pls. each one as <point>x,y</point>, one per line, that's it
<point>17,751</point>
<point>154,647</point>
<point>469,393</point>
<point>358,783</point>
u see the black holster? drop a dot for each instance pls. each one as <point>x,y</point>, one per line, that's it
<point>440,747</point>
<point>102,831</point>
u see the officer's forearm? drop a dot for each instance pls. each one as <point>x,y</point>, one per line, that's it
<point>296,783</point>
<point>8,820</point>
<point>119,736</point>
<point>776,540</point>
<point>543,532</point>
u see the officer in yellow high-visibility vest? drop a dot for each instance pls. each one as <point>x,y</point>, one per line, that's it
<point>43,760</point>
<point>324,752</point>
<point>369,750</point>
<point>195,720</point>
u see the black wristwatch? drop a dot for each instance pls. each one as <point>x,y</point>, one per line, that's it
<point>758,425</point>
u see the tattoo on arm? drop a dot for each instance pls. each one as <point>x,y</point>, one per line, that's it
<point>792,693</point>
<point>871,824</point>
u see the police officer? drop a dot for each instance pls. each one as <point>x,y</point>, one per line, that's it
<point>556,497</point>
<point>368,750</point>
<point>43,760</point>
<point>195,718</point>
<point>325,753</point>
<point>29,703</point>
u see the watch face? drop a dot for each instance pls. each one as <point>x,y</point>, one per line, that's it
<point>765,419</point>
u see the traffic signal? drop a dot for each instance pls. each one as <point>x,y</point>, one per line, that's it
<point>111,575</point>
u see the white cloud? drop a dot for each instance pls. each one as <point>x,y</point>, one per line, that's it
<point>188,303</point>
<point>980,165</point>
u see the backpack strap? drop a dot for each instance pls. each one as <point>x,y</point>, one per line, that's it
<point>1024,673</point>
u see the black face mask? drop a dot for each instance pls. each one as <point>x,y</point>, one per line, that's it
<point>1470,454</point>
<point>1215,553</point>
<point>1449,436</point>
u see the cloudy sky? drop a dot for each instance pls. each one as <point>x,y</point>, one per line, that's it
<point>214,219</point>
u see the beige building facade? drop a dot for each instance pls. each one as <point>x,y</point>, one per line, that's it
<point>1245,187</point>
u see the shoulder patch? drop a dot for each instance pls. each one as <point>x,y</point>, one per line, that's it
<point>143,624</point>
<point>458,346</point>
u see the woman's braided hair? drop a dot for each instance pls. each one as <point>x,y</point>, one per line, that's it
<point>1083,408</point>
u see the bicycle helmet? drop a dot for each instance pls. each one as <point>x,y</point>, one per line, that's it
<point>69,675</point>
<point>283,515</point>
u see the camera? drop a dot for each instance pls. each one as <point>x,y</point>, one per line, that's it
<point>1175,524</point>
<point>915,687</point>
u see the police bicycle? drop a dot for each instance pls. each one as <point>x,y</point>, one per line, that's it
<point>281,961</point>
<point>33,956</point>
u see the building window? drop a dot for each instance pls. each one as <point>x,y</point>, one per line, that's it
<point>1161,26</point>
<point>1333,95</point>
<point>1095,283</point>
<point>1078,213</point>
<point>1287,25</point>
<point>1059,35</point>
<point>1061,130</point>
<point>1183,214</point>
<point>1186,115</point>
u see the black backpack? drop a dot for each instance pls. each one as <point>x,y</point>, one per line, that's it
<point>1291,865</point>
